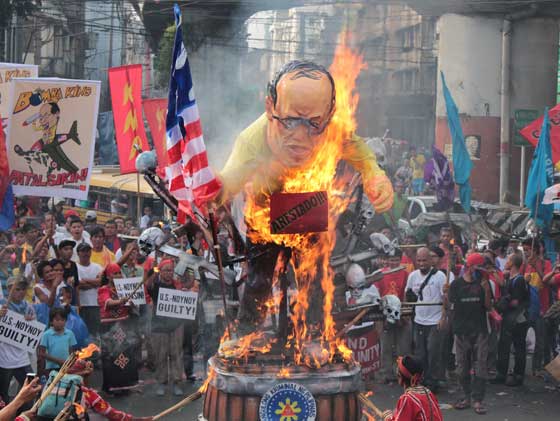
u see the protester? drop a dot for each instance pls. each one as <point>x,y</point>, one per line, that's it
<point>89,275</point>
<point>400,204</point>
<point>471,298</point>
<point>90,220</point>
<point>100,254</point>
<point>13,361</point>
<point>417,402</point>
<point>513,307</point>
<point>426,285</point>
<point>45,289</point>
<point>146,219</point>
<point>417,162</point>
<point>188,283</point>
<point>453,253</point>
<point>57,342</point>
<point>167,332</point>
<point>28,392</point>
<point>119,338</point>
<point>112,241</point>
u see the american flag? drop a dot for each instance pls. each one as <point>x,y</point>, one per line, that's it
<point>189,175</point>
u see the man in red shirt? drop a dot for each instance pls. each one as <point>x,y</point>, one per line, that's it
<point>396,338</point>
<point>535,270</point>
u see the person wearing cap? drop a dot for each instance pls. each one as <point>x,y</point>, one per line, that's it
<point>90,220</point>
<point>70,275</point>
<point>89,275</point>
<point>167,332</point>
<point>119,336</point>
<point>13,361</point>
<point>471,298</point>
<point>417,402</point>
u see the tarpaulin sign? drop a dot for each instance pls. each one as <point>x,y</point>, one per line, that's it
<point>9,71</point>
<point>21,333</point>
<point>298,213</point>
<point>176,304</point>
<point>51,136</point>
<point>364,343</point>
<point>125,287</point>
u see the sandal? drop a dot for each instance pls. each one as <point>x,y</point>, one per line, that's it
<point>479,408</point>
<point>462,404</point>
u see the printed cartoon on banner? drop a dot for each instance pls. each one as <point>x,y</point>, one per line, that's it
<point>9,71</point>
<point>51,136</point>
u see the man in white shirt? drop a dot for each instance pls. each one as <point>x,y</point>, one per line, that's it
<point>78,235</point>
<point>90,281</point>
<point>427,284</point>
<point>146,219</point>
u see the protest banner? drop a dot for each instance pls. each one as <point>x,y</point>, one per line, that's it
<point>364,343</point>
<point>176,304</point>
<point>126,97</point>
<point>8,71</point>
<point>51,136</point>
<point>17,331</point>
<point>126,286</point>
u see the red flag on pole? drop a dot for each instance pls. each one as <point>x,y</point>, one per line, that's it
<point>533,131</point>
<point>155,111</point>
<point>126,96</point>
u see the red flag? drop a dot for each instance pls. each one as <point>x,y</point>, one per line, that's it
<point>4,166</point>
<point>155,111</point>
<point>533,131</point>
<point>126,96</point>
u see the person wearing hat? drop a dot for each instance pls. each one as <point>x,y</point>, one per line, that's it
<point>13,361</point>
<point>167,332</point>
<point>70,275</point>
<point>471,298</point>
<point>90,220</point>
<point>417,402</point>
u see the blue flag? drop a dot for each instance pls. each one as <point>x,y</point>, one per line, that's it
<point>7,214</point>
<point>541,177</point>
<point>462,164</point>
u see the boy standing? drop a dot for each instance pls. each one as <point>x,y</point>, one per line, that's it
<point>57,342</point>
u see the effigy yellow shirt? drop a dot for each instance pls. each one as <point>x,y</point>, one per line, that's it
<point>252,160</point>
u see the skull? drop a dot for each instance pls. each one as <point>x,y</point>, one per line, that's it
<point>150,240</point>
<point>391,308</point>
<point>382,243</point>
<point>358,292</point>
<point>355,276</point>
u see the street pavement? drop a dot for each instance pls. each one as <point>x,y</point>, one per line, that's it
<point>536,400</point>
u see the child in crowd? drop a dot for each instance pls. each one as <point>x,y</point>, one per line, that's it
<point>57,342</point>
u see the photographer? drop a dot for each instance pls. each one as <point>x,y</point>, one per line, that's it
<point>513,307</point>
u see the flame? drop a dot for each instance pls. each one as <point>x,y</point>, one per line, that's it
<point>88,351</point>
<point>79,409</point>
<point>255,342</point>
<point>156,269</point>
<point>312,251</point>
<point>24,254</point>
<point>283,373</point>
<point>211,375</point>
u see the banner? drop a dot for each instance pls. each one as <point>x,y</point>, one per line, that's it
<point>8,71</point>
<point>155,111</point>
<point>17,331</point>
<point>364,343</point>
<point>126,97</point>
<point>51,136</point>
<point>125,286</point>
<point>296,213</point>
<point>532,132</point>
<point>176,304</point>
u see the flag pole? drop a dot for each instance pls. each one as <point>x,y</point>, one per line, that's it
<point>138,205</point>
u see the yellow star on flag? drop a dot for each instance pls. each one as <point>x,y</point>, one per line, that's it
<point>127,94</point>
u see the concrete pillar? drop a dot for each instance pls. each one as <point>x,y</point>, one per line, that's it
<point>470,56</point>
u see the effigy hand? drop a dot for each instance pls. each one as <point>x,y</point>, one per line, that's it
<point>379,190</point>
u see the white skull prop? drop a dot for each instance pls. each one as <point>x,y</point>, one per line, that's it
<point>359,293</point>
<point>382,243</point>
<point>391,308</point>
<point>150,240</point>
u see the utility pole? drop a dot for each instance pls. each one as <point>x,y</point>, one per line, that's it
<point>110,60</point>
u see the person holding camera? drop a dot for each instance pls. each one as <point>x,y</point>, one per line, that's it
<point>513,306</point>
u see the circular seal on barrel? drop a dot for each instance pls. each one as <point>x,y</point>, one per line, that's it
<point>288,402</point>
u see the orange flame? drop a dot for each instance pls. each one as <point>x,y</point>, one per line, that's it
<point>79,409</point>
<point>312,251</point>
<point>283,373</point>
<point>211,375</point>
<point>88,351</point>
<point>240,349</point>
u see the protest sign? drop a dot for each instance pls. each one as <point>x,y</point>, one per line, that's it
<point>51,136</point>
<point>364,343</point>
<point>17,331</point>
<point>176,304</point>
<point>125,286</point>
<point>8,71</point>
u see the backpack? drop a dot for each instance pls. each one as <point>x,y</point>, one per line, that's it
<point>67,390</point>
<point>534,310</point>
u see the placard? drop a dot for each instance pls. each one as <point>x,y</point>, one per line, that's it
<point>9,71</point>
<point>297,213</point>
<point>176,304</point>
<point>51,136</point>
<point>125,286</point>
<point>364,343</point>
<point>21,333</point>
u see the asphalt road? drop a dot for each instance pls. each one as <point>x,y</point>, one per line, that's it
<point>536,400</point>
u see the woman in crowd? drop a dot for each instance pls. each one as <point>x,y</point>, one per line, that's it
<point>119,338</point>
<point>45,289</point>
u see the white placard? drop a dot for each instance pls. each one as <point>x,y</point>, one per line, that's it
<point>125,286</point>
<point>176,304</point>
<point>17,331</point>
